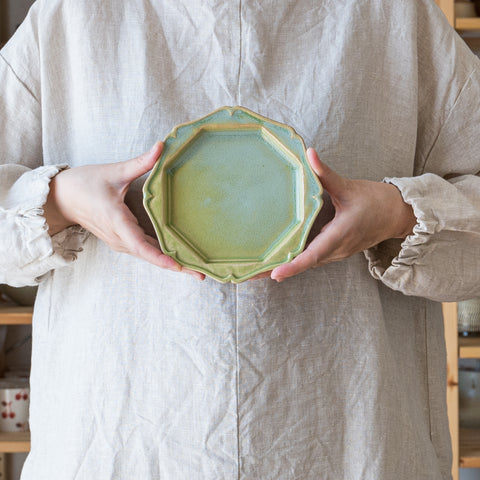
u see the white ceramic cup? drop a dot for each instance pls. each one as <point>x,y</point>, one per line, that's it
<point>14,405</point>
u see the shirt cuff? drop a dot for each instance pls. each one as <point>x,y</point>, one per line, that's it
<point>394,261</point>
<point>28,251</point>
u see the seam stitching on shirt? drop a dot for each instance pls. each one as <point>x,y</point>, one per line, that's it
<point>240,51</point>
<point>427,370</point>
<point>237,382</point>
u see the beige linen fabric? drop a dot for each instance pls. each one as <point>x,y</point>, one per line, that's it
<point>338,373</point>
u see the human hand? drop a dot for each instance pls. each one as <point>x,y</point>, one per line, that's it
<point>93,196</point>
<point>366,213</point>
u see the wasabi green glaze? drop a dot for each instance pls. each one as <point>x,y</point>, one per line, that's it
<point>232,195</point>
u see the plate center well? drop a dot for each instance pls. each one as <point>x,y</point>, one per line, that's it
<point>233,195</point>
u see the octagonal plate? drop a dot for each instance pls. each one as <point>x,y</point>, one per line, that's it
<point>232,195</point>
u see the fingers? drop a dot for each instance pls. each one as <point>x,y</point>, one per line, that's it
<point>329,245</point>
<point>194,273</point>
<point>260,275</point>
<point>318,252</point>
<point>332,182</point>
<point>144,250</point>
<point>314,161</point>
<point>142,246</point>
<point>126,172</point>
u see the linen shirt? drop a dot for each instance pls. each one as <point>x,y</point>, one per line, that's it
<point>337,373</point>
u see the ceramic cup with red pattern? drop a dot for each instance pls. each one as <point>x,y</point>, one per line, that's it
<point>14,405</point>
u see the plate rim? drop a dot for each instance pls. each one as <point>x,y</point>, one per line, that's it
<point>312,196</point>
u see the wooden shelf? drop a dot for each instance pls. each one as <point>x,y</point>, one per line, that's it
<point>469,347</point>
<point>15,315</point>
<point>14,442</point>
<point>469,448</point>
<point>467,23</point>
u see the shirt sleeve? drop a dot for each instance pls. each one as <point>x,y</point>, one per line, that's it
<point>27,252</point>
<point>441,259</point>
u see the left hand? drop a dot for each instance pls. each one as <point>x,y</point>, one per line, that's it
<point>366,213</point>
<point>93,196</point>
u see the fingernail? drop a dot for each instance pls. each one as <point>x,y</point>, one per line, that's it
<point>155,146</point>
<point>194,273</point>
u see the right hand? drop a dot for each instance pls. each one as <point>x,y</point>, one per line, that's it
<point>93,196</point>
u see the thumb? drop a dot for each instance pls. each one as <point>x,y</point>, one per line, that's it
<point>333,183</point>
<point>134,168</point>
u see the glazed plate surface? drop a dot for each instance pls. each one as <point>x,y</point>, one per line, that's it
<point>232,195</point>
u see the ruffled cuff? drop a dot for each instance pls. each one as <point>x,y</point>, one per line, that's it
<point>394,261</point>
<point>27,250</point>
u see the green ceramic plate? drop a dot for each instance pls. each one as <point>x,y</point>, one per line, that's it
<point>232,195</point>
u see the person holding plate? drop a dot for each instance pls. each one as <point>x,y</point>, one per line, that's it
<point>332,365</point>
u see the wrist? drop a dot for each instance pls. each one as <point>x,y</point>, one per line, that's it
<point>404,216</point>
<point>52,210</point>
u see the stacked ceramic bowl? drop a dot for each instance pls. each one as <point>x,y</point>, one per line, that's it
<point>469,316</point>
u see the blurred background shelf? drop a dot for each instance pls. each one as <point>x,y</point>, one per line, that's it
<point>15,315</point>
<point>469,448</point>
<point>14,442</point>
<point>469,347</point>
<point>467,23</point>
